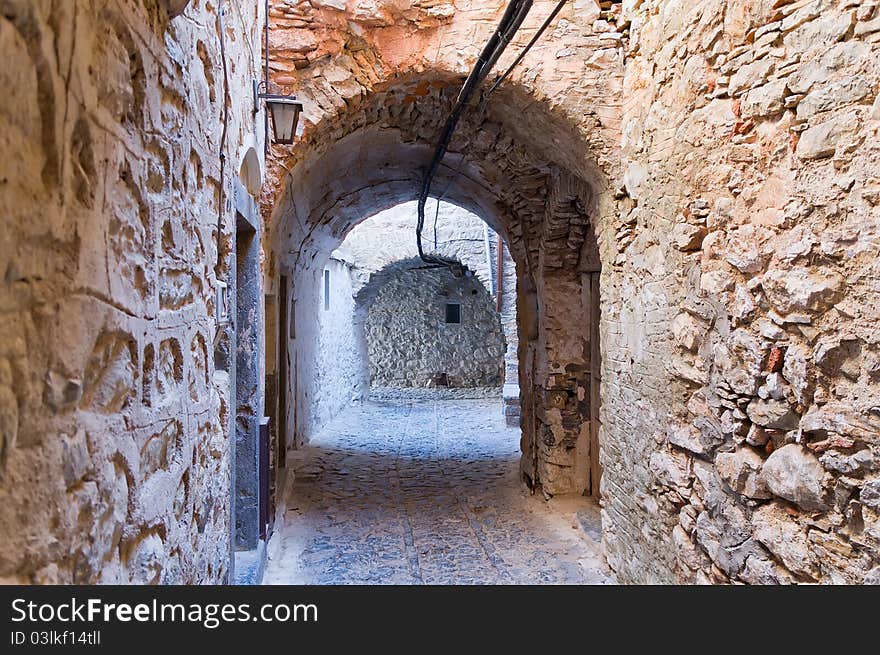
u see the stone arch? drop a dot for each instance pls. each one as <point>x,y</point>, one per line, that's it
<point>524,168</point>
<point>388,237</point>
<point>496,167</point>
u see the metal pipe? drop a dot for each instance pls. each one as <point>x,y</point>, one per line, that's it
<point>221,34</point>
<point>266,41</point>
<point>266,81</point>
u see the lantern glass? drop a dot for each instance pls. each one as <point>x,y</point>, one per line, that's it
<point>285,116</point>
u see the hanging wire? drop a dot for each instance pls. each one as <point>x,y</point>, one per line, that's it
<point>525,51</point>
<point>513,18</point>
<point>514,15</point>
<point>221,29</point>
<point>436,216</point>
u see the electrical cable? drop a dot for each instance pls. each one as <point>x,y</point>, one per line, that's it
<point>513,17</point>
<point>525,51</point>
<point>436,217</point>
<point>221,205</point>
<point>222,155</point>
<point>512,20</point>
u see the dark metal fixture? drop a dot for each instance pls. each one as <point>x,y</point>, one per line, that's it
<point>285,110</point>
<point>514,15</point>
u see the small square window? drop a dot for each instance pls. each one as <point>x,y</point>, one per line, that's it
<point>453,313</point>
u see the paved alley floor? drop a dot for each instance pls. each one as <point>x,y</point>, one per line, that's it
<point>427,492</point>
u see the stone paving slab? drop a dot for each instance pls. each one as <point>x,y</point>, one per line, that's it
<point>427,492</point>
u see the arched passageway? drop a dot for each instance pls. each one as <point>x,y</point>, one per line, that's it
<point>385,243</point>
<point>718,166</point>
<point>541,190</point>
<point>392,452</point>
<point>534,172</point>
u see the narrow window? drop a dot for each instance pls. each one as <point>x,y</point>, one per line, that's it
<point>326,289</point>
<point>453,313</point>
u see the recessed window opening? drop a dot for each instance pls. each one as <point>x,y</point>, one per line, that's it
<point>453,313</point>
<point>326,289</point>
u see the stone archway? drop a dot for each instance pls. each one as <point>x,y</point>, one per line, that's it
<point>380,244</point>
<point>547,199</point>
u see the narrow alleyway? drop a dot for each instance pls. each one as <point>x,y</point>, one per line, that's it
<point>427,492</point>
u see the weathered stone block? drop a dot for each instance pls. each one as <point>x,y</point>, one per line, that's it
<point>823,140</point>
<point>765,100</point>
<point>802,290</point>
<point>741,471</point>
<point>855,464</point>
<point>670,468</point>
<point>687,437</point>
<point>785,538</point>
<point>688,237</point>
<point>688,332</point>
<point>793,473</point>
<point>773,414</point>
<point>842,419</point>
<point>833,95</point>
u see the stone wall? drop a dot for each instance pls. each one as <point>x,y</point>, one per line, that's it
<point>339,353</point>
<point>114,431</point>
<point>740,393</point>
<point>410,344</point>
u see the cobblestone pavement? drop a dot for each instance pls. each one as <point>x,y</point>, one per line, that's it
<point>428,492</point>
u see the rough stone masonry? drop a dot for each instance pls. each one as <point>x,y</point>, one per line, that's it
<point>410,342</point>
<point>750,153</point>
<point>715,162</point>
<point>114,433</point>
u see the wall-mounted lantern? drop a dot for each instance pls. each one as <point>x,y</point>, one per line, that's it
<point>285,111</point>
